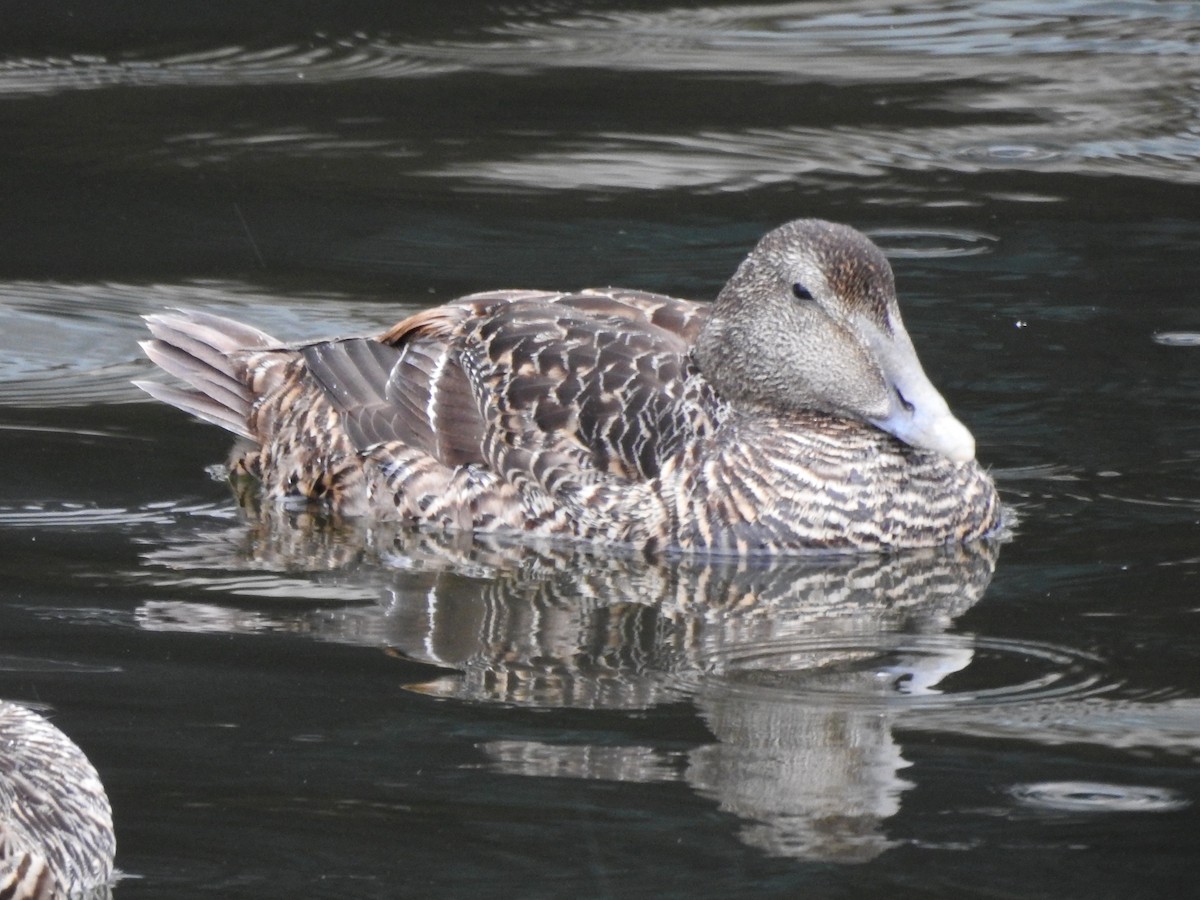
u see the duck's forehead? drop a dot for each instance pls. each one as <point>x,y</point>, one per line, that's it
<point>858,273</point>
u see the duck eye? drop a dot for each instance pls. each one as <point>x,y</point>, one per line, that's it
<point>800,292</point>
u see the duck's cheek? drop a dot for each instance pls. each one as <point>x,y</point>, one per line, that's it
<point>842,375</point>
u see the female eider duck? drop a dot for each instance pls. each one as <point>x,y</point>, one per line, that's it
<point>56,828</point>
<point>790,414</point>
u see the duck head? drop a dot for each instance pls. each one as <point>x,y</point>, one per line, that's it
<point>810,321</point>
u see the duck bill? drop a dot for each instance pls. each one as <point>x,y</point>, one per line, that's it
<point>928,428</point>
<point>917,413</point>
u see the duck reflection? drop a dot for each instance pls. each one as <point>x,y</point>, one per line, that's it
<point>790,665</point>
<point>795,665</point>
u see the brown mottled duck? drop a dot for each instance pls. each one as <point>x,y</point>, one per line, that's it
<point>790,414</point>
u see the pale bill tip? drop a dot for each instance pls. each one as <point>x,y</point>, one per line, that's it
<point>954,440</point>
<point>942,434</point>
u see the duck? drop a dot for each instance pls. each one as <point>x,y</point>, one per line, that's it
<point>56,827</point>
<point>790,414</point>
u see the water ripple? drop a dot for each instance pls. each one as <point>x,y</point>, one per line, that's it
<point>752,38</point>
<point>746,159</point>
<point>1022,155</point>
<point>1097,797</point>
<point>931,243</point>
<point>1178,338</point>
<point>708,161</point>
<point>1061,87</point>
<point>41,665</point>
<point>85,515</point>
<point>64,344</point>
<point>855,40</point>
<point>201,148</point>
<point>1145,724</point>
<point>327,59</point>
<point>911,670</point>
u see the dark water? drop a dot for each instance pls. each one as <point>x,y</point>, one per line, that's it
<point>282,710</point>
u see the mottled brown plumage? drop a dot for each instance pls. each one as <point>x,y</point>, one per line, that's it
<point>56,830</point>
<point>767,422</point>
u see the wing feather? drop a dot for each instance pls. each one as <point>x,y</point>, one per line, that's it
<point>602,378</point>
<point>587,373</point>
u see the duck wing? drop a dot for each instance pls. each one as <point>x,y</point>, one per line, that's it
<point>595,380</point>
<point>412,394</point>
<point>605,373</point>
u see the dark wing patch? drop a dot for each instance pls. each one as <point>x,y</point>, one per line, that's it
<point>353,371</point>
<point>590,371</point>
<point>599,377</point>
<point>415,394</point>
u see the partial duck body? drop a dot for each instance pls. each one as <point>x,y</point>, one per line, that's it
<point>56,828</point>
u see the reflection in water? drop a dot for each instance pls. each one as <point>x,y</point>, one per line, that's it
<point>814,782</point>
<point>799,667</point>
<point>803,669</point>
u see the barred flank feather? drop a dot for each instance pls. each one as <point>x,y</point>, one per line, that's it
<point>56,830</point>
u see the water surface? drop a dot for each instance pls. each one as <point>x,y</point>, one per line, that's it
<point>285,707</point>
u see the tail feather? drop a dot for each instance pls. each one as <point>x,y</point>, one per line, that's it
<point>198,372</point>
<point>208,353</point>
<point>219,332</point>
<point>199,405</point>
<point>206,344</point>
